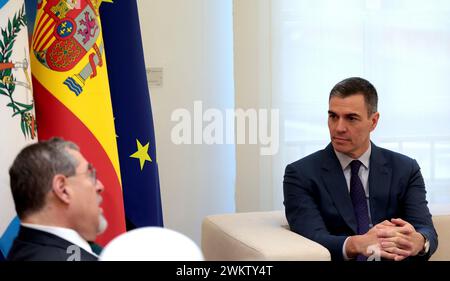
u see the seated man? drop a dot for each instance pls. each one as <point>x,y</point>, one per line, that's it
<point>57,196</point>
<point>354,198</point>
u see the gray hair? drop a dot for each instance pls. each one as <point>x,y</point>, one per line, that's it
<point>33,170</point>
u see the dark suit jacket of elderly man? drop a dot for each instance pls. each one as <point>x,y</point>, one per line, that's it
<point>36,245</point>
<point>318,204</point>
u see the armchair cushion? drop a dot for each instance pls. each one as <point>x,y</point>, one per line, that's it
<point>266,236</point>
<point>256,236</point>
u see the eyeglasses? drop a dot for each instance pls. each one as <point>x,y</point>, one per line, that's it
<point>91,172</point>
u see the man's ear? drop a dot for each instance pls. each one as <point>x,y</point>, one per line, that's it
<point>60,189</point>
<point>374,119</point>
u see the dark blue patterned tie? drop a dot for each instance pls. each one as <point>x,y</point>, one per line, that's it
<point>359,201</point>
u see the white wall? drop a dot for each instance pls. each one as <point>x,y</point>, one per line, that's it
<point>255,184</point>
<point>192,41</point>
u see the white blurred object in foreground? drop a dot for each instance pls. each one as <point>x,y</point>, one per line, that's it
<point>151,244</point>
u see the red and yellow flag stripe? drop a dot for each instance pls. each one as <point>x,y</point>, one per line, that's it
<point>71,92</point>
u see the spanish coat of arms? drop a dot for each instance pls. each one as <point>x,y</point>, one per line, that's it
<point>74,28</point>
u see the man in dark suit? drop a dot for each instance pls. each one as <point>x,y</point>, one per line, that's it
<point>354,198</point>
<point>57,196</point>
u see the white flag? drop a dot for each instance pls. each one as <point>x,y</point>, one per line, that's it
<point>17,117</point>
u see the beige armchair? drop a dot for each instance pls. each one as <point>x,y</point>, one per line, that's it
<point>266,236</point>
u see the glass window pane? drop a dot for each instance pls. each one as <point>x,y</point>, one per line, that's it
<point>401,46</point>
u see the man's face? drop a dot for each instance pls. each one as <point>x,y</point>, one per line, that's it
<point>349,125</point>
<point>86,213</point>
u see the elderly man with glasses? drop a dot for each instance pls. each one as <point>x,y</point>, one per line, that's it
<point>57,196</point>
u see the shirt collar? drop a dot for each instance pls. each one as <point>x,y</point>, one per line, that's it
<point>345,160</point>
<point>65,233</point>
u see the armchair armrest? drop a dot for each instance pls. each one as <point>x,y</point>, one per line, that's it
<point>256,236</point>
<point>442,225</point>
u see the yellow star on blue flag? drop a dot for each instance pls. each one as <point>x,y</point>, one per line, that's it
<point>142,153</point>
<point>133,112</point>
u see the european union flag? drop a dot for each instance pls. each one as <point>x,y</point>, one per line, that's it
<point>132,112</point>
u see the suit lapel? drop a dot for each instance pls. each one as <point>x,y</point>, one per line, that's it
<point>380,174</point>
<point>336,185</point>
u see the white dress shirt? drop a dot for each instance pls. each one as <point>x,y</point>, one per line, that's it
<point>363,174</point>
<point>65,233</point>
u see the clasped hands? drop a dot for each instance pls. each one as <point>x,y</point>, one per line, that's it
<point>395,240</point>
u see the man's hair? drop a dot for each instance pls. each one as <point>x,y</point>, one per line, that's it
<point>357,86</point>
<point>32,172</point>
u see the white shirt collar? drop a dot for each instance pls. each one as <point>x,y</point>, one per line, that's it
<point>65,233</point>
<point>345,160</point>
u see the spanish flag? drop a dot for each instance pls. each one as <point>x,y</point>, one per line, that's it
<point>71,93</point>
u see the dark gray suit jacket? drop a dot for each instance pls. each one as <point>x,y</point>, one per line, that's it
<point>318,204</point>
<point>36,245</point>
